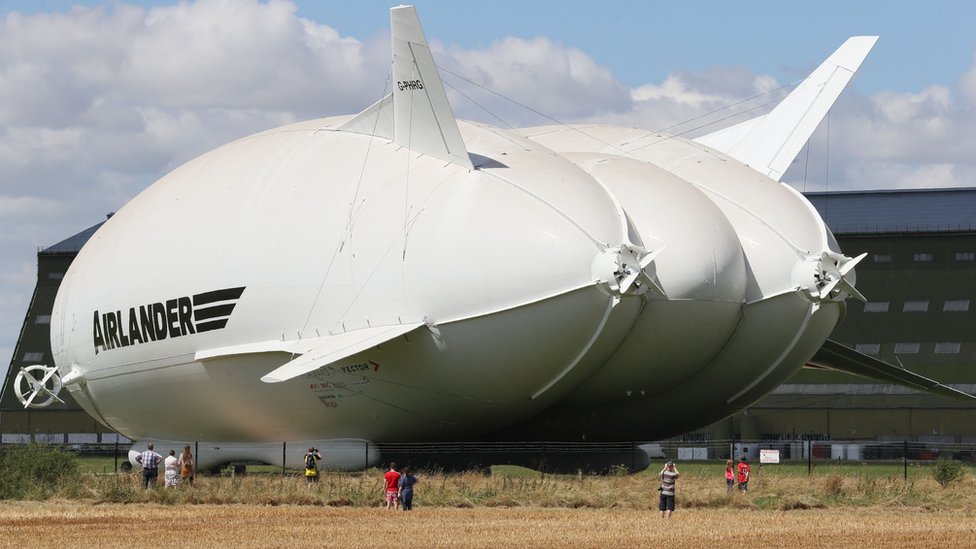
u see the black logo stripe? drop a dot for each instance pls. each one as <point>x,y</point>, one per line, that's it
<point>226,294</point>
<point>211,325</point>
<point>215,311</point>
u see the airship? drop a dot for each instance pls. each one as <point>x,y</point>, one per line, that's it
<point>401,275</point>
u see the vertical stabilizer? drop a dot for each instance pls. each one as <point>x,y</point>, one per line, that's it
<point>422,118</point>
<point>770,143</point>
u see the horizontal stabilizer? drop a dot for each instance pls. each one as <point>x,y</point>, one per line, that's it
<point>834,356</point>
<point>331,349</point>
<point>377,120</point>
<point>772,141</point>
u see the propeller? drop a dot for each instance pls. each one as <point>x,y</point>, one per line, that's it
<point>630,275</point>
<point>833,270</point>
<point>36,387</point>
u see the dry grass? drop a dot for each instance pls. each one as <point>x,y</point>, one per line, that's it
<point>837,507</point>
<point>107,526</point>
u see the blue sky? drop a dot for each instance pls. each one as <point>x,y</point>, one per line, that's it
<point>922,43</point>
<point>100,99</point>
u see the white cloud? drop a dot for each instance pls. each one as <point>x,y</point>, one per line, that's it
<point>563,83</point>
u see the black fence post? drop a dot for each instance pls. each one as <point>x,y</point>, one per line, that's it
<point>905,455</point>
<point>116,453</point>
<point>809,457</point>
<point>284,455</point>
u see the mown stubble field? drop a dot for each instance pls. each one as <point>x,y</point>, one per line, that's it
<point>836,506</point>
<point>108,526</point>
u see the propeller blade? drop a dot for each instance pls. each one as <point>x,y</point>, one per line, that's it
<point>650,257</point>
<point>825,291</point>
<point>852,291</point>
<point>849,266</point>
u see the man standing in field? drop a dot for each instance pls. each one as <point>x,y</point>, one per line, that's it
<point>312,457</point>
<point>150,466</point>
<point>743,471</point>
<point>668,475</point>
<point>392,478</point>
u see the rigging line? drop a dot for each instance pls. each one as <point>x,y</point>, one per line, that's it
<point>362,286</point>
<point>729,106</point>
<point>479,105</point>
<point>827,171</point>
<point>530,109</point>
<point>806,165</point>
<point>561,123</point>
<point>352,209</point>
<point>672,136</point>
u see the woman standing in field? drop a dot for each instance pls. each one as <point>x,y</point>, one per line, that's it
<point>729,476</point>
<point>186,465</point>
<point>407,480</point>
<point>171,467</point>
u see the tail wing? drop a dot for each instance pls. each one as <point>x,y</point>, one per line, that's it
<point>422,119</point>
<point>769,143</point>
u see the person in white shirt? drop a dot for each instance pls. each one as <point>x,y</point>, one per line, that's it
<point>171,465</point>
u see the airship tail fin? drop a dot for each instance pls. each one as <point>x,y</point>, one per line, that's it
<point>769,143</point>
<point>330,349</point>
<point>834,356</point>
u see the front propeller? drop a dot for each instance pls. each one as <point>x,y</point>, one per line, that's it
<point>626,270</point>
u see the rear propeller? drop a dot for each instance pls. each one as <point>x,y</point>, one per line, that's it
<point>38,381</point>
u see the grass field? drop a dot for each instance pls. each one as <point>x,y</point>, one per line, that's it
<point>76,524</point>
<point>839,505</point>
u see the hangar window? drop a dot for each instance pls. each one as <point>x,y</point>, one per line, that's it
<point>882,258</point>
<point>42,319</point>
<point>916,306</point>
<point>947,348</point>
<point>906,348</point>
<point>965,256</point>
<point>956,305</point>
<point>923,257</point>
<point>868,348</point>
<point>876,307</point>
<point>33,357</point>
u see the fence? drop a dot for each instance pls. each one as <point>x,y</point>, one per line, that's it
<point>546,456</point>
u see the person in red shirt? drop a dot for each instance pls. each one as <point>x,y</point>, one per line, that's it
<point>392,478</point>
<point>729,476</point>
<point>743,471</point>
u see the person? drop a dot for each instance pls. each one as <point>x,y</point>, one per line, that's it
<point>668,475</point>
<point>729,476</point>
<point>407,480</point>
<point>743,474</point>
<point>392,478</point>
<point>186,465</point>
<point>171,470</point>
<point>150,463</point>
<point>312,457</point>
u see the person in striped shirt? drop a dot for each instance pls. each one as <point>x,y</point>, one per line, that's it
<point>150,466</point>
<point>668,475</point>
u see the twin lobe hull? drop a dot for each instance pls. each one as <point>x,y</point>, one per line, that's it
<point>398,275</point>
<point>497,263</point>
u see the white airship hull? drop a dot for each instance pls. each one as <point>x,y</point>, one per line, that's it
<point>399,276</point>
